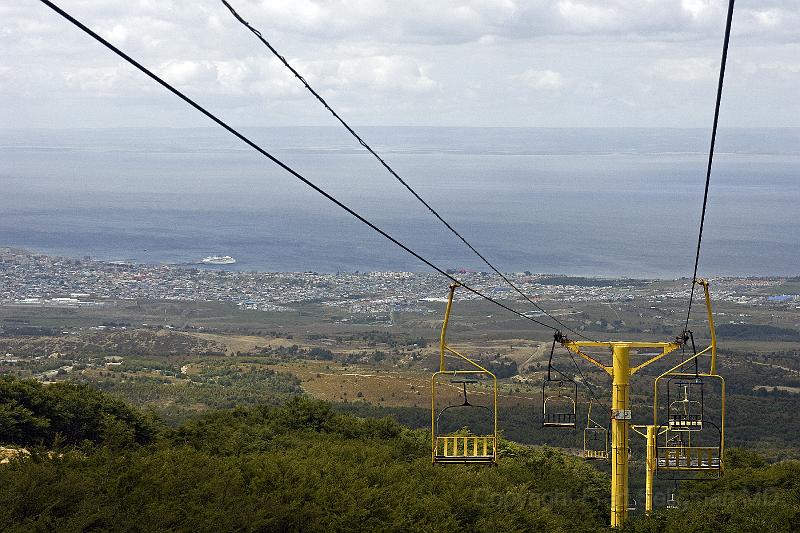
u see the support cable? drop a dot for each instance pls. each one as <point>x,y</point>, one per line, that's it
<point>385,165</point>
<point>711,153</point>
<point>585,382</point>
<point>275,160</point>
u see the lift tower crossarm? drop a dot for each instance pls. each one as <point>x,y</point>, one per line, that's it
<point>575,347</point>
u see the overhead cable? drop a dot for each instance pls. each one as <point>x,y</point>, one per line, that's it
<point>711,153</point>
<point>275,160</point>
<point>385,165</point>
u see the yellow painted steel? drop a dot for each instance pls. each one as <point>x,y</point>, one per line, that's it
<point>620,418</point>
<point>689,458</point>
<point>467,446</point>
<point>620,371</point>
<point>443,335</point>
<point>652,430</point>
<point>678,458</point>
<point>650,469</point>
<point>449,444</point>
<point>711,328</point>
<point>688,448</point>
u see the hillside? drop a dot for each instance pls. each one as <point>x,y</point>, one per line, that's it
<point>141,342</point>
<point>304,466</point>
<point>298,467</point>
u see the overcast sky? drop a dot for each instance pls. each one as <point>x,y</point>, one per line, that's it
<point>413,62</point>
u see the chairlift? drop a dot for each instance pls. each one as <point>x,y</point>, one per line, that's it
<point>595,439</point>
<point>463,383</point>
<point>632,505</point>
<point>672,498</point>
<point>462,445</point>
<point>559,398</point>
<point>693,445</point>
<point>685,403</point>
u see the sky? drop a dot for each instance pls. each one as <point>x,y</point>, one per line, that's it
<point>553,63</point>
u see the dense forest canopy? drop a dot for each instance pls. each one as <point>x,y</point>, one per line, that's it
<point>96,463</point>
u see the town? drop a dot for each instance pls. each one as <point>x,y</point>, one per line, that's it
<point>28,278</point>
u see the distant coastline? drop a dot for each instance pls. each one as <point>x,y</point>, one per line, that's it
<point>609,202</point>
<point>11,253</point>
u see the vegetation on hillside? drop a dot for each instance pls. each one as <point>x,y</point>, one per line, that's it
<point>97,463</point>
<point>302,466</point>
<point>33,414</point>
<point>751,496</point>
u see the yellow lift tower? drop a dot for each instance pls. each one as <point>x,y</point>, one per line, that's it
<point>672,457</point>
<point>683,454</point>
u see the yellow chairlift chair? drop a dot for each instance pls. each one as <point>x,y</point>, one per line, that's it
<point>595,439</point>
<point>559,398</point>
<point>461,446</point>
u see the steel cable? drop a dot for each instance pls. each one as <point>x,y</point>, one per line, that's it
<point>275,160</point>
<point>389,169</point>
<point>723,61</point>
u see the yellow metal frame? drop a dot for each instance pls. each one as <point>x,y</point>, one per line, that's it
<point>461,448</point>
<point>652,432</point>
<point>591,425</point>
<point>680,458</point>
<point>620,371</point>
<point>690,421</point>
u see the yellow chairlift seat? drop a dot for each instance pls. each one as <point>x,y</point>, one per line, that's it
<point>465,449</point>
<point>595,439</point>
<point>682,457</point>
<point>462,446</point>
<point>559,406</point>
<point>688,458</point>
<point>672,499</point>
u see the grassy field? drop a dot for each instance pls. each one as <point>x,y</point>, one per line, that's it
<point>182,358</point>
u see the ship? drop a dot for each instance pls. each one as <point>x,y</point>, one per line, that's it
<point>218,260</point>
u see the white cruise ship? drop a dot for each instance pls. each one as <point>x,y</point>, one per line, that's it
<point>218,260</point>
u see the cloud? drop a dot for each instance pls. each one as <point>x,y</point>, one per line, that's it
<point>541,79</point>
<point>585,17</point>
<point>189,72</point>
<point>685,69</point>
<point>266,76</point>
<point>394,73</point>
<point>460,21</point>
<point>94,79</point>
<point>419,61</point>
<point>117,35</point>
<point>775,70</point>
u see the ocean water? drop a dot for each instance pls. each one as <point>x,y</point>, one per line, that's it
<point>605,202</point>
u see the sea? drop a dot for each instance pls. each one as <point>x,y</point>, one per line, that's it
<point>618,202</point>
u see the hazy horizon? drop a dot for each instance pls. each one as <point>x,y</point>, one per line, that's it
<point>623,203</point>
